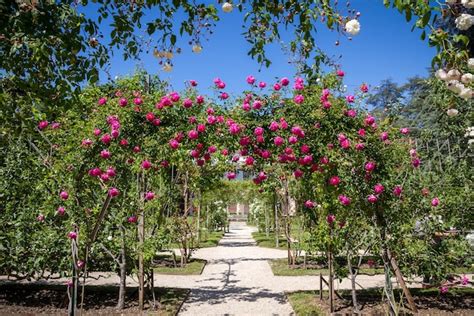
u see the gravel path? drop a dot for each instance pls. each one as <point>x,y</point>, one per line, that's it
<point>237,279</point>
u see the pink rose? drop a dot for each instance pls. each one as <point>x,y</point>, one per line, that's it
<point>250,79</point>
<point>331,218</point>
<point>334,181</point>
<point>372,199</point>
<point>64,195</point>
<point>298,99</point>
<point>378,188</point>
<point>149,196</point>
<point>344,200</point>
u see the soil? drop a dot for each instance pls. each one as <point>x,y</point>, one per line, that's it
<point>37,299</point>
<point>458,303</point>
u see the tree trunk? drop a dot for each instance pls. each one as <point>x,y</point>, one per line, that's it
<point>141,239</point>
<point>123,271</point>
<point>353,276</point>
<point>331,277</point>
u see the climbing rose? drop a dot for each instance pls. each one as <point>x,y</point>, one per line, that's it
<point>231,175</point>
<point>370,166</point>
<point>149,196</point>
<point>378,188</point>
<point>334,181</point>
<point>309,204</point>
<point>364,88</point>
<point>443,289</point>
<point>174,144</point>
<point>416,162</point>
<point>274,126</point>
<point>72,235</point>
<point>344,200</point>
<point>351,113</point>
<point>257,104</point>
<point>187,103</point>
<point>397,191</point>
<point>340,73</point>
<point>262,84</point>
<point>353,27</point>
<point>113,192</point>
<point>199,99</point>
<point>43,124</point>
<point>227,7</point>
<point>298,173</point>
<point>102,101</point>
<point>86,142</point>
<point>372,198</point>
<point>331,218</point>
<point>193,134</point>
<point>345,144</point>
<point>123,102</point>
<point>435,202</point>
<point>137,101</point>
<point>276,87</point>
<point>250,79</point>
<point>299,99</point>
<point>61,210</point>
<point>40,218</point>
<point>80,264</point>
<point>359,146</point>
<point>249,161</point>
<point>350,98</point>
<point>384,136</point>
<point>64,195</point>
<point>106,139</point>
<point>132,219</point>
<point>105,154</point>
<point>278,141</point>
<point>146,164</point>
<point>404,130</point>
<point>193,83</point>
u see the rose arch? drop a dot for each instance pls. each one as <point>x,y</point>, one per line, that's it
<point>131,152</point>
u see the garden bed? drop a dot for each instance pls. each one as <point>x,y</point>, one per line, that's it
<point>316,266</point>
<point>34,299</point>
<point>458,301</point>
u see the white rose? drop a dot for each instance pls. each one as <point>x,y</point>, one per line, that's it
<point>467,78</point>
<point>470,63</point>
<point>464,21</point>
<point>455,86</point>
<point>454,74</point>
<point>469,4</point>
<point>227,7</point>
<point>197,49</point>
<point>167,67</point>
<point>109,238</point>
<point>466,93</point>
<point>441,74</point>
<point>353,27</point>
<point>452,112</point>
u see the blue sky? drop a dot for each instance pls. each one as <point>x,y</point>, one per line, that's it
<point>385,48</point>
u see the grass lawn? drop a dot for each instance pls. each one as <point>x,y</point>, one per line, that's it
<point>280,268</point>
<point>269,242</point>
<point>194,267</point>
<point>428,301</point>
<point>210,239</point>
